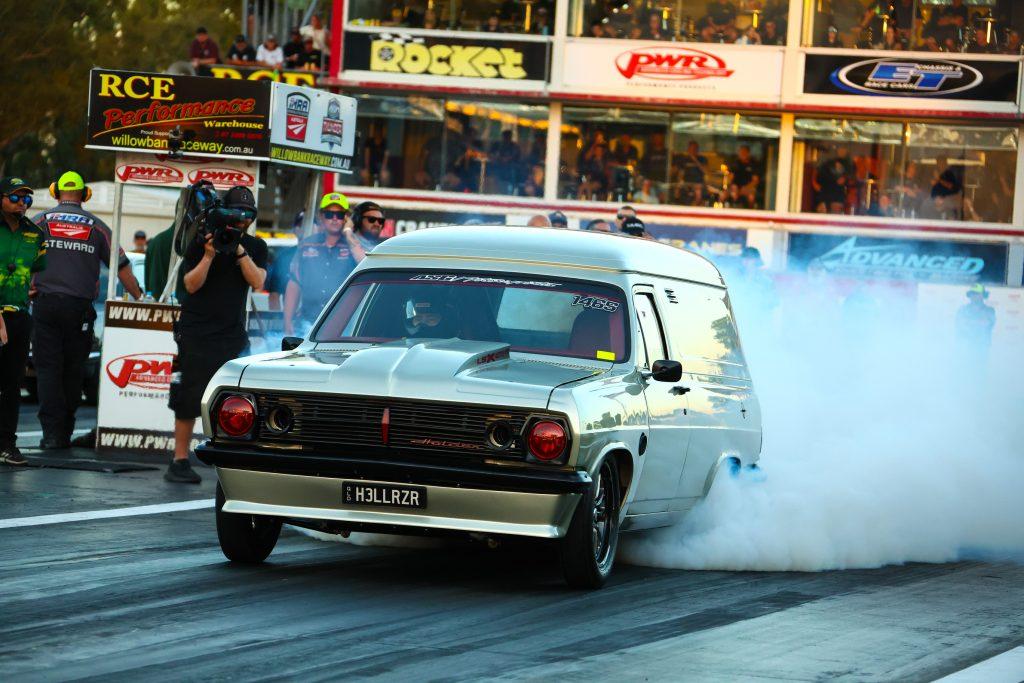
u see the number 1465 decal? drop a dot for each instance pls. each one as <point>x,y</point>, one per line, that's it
<point>595,302</point>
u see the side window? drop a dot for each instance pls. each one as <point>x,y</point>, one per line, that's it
<point>704,332</point>
<point>650,328</point>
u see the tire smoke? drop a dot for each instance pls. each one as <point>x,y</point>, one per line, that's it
<point>889,437</point>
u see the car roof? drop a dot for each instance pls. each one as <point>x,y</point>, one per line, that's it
<point>550,246</point>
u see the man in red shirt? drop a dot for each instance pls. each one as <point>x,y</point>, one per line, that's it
<point>203,50</point>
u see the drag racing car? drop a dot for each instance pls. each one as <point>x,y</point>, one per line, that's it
<point>491,382</point>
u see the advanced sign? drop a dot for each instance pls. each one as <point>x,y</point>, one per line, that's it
<point>626,69</point>
<point>983,80</point>
<point>448,56</point>
<point>312,128</point>
<point>138,111</point>
<point>892,259</point>
<point>136,168</point>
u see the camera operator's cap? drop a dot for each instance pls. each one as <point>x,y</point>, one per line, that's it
<point>558,219</point>
<point>13,183</point>
<point>239,197</point>
<point>70,181</point>
<point>334,198</point>
<point>632,224</point>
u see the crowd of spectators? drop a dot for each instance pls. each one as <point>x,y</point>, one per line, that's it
<point>494,16</point>
<point>910,25</point>
<point>718,21</point>
<point>306,50</point>
<point>966,188</point>
<point>619,169</point>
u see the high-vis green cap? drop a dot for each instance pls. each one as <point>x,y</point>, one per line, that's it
<point>334,198</point>
<point>70,181</point>
<point>978,289</point>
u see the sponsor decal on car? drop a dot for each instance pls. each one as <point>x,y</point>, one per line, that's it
<point>442,443</point>
<point>670,63</point>
<point>145,370</point>
<point>595,303</point>
<point>296,116</point>
<point>149,174</point>
<point>922,78</point>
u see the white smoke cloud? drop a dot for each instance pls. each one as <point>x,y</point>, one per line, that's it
<point>886,441</point>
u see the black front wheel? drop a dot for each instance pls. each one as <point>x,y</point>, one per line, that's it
<point>245,538</point>
<point>588,549</point>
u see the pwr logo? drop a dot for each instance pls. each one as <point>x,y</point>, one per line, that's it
<point>149,174</point>
<point>222,177</point>
<point>144,370</point>
<point>671,64</point>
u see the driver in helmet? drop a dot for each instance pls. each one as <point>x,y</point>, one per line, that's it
<point>428,315</point>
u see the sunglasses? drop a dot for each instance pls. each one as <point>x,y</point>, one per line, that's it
<point>621,216</point>
<point>334,215</point>
<point>379,220</point>
<point>26,199</point>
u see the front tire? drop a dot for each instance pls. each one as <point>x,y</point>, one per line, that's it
<point>245,538</point>
<point>588,549</point>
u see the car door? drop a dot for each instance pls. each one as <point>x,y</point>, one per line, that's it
<point>667,436</point>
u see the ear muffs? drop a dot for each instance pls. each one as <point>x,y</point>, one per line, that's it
<point>361,208</point>
<point>86,192</point>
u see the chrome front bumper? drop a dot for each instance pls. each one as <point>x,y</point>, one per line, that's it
<point>488,511</point>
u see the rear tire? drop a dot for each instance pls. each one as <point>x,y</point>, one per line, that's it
<point>245,538</point>
<point>588,549</point>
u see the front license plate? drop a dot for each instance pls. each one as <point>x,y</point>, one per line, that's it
<point>383,495</point>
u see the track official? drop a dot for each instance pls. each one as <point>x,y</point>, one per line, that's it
<point>22,253</point>
<point>321,263</point>
<point>211,329</point>
<point>63,314</point>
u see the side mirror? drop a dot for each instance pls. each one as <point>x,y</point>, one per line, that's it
<point>289,343</point>
<point>667,371</point>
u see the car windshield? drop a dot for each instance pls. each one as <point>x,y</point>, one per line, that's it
<point>532,314</point>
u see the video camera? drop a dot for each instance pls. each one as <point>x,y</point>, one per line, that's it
<point>201,212</point>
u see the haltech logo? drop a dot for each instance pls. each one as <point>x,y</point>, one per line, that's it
<point>441,59</point>
<point>222,177</point>
<point>145,370</point>
<point>671,64</point>
<point>441,443</point>
<point>906,78</point>
<point>297,116</point>
<point>149,174</point>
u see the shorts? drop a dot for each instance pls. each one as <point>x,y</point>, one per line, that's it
<point>197,362</point>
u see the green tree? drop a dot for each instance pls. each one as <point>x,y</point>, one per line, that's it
<point>50,47</point>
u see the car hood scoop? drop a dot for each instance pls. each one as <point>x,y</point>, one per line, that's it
<point>454,370</point>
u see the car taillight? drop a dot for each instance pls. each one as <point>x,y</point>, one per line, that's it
<point>236,416</point>
<point>547,440</point>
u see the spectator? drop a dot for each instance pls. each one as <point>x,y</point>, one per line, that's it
<point>363,231</point>
<point>646,194</point>
<point>745,172</point>
<point>691,169</point>
<point>293,50</point>
<point>719,24</point>
<point>594,172</point>
<point>947,182</point>
<point>831,38</point>
<point>931,44</point>
<point>1013,43</point>
<point>139,240</point>
<point>749,37</point>
<point>240,52</point>
<point>270,53</point>
<point>834,176</point>
<point>872,22</point>
<point>598,225</point>
<point>320,35</point>
<point>625,152</point>
<point>654,164</point>
<point>542,23</point>
<point>975,321</point>
<point>906,18</point>
<point>538,221</point>
<point>771,34</point>
<point>203,49</point>
<point>558,220</point>
<point>622,214</point>
<point>734,198</point>
<point>492,25</point>
<point>946,24</point>
<point>653,30</point>
<point>534,185</point>
<point>375,159</point>
<point>311,58</point>
<point>505,162</point>
<point>597,28</point>
<point>430,20</point>
<point>981,44</point>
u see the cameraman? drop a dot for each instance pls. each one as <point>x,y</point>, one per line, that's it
<point>211,329</point>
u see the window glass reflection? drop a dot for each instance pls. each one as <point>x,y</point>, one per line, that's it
<point>911,170</point>
<point>490,16</point>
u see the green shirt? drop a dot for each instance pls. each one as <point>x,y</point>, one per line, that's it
<point>22,253</point>
<point>158,258</point>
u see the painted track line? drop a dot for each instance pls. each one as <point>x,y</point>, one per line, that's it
<point>1005,668</point>
<point>16,522</point>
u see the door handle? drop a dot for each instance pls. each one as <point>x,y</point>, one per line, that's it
<point>680,390</point>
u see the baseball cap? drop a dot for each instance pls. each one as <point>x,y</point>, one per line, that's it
<point>70,181</point>
<point>978,289</point>
<point>631,225</point>
<point>139,234</point>
<point>201,29</point>
<point>558,219</point>
<point>751,253</point>
<point>239,196</point>
<point>12,183</point>
<point>334,198</point>
<point>239,38</point>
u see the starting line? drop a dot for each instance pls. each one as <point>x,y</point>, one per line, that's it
<point>106,514</point>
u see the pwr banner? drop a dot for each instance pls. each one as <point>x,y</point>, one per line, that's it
<point>135,168</point>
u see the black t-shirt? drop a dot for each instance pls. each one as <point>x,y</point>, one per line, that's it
<point>217,310</point>
<point>293,52</point>
<point>692,167</point>
<point>246,54</point>
<point>744,171</point>
<point>721,14</point>
<point>655,163</point>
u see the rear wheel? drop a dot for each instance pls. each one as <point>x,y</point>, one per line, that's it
<point>245,538</point>
<point>588,549</point>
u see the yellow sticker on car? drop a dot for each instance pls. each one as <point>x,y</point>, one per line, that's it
<point>605,355</point>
